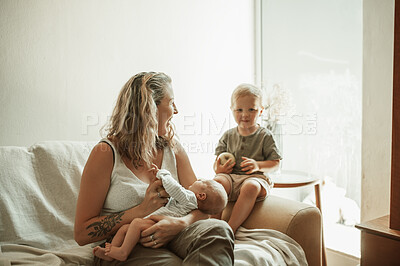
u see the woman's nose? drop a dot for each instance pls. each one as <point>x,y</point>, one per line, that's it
<point>175,109</point>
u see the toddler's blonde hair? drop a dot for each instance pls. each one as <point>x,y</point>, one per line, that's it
<point>246,89</point>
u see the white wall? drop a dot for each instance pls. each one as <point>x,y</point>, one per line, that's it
<point>64,62</point>
<point>377,108</point>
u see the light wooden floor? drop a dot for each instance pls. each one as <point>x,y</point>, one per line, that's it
<point>336,258</point>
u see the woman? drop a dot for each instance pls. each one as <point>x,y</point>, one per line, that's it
<point>117,186</point>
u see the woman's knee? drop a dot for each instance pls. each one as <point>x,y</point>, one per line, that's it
<point>205,242</point>
<point>214,243</point>
<point>214,227</point>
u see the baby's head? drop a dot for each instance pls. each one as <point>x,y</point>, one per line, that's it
<point>246,90</point>
<point>211,196</point>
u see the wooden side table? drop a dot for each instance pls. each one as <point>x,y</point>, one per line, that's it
<point>293,179</point>
<point>380,245</point>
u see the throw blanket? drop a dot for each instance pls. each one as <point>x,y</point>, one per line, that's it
<point>12,254</point>
<point>39,187</point>
<point>252,247</point>
<point>264,247</point>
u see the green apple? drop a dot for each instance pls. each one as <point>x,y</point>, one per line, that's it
<point>225,156</point>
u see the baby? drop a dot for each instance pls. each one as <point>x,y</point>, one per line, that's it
<point>206,195</point>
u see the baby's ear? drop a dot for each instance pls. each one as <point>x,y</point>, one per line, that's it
<point>201,196</point>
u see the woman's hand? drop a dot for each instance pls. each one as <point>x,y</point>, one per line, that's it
<point>155,197</point>
<point>249,165</point>
<point>226,168</point>
<point>163,231</point>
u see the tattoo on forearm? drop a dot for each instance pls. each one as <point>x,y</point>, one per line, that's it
<point>105,226</point>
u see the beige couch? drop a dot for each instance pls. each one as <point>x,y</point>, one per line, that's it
<point>39,187</point>
<point>300,221</point>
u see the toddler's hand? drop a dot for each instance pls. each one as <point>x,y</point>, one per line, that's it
<point>249,165</point>
<point>224,168</point>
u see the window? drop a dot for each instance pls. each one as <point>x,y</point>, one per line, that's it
<point>313,49</point>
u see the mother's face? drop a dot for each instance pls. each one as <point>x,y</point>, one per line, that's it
<point>166,109</point>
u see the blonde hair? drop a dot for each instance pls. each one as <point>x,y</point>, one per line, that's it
<point>133,125</point>
<point>245,89</point>
<point>216,199</point>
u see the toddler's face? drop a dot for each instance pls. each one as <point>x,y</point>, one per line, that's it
<point>246,110</point>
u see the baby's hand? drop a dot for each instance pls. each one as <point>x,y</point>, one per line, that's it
<point>249,165</point>
<point>224,168</point>
<point>154,169</point>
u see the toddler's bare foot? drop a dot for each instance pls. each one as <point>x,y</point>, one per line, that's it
<point>101,253</point>
<point>116,252</point>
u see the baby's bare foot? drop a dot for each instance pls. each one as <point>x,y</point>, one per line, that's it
<point>108,247</point>
<point>116,252</point>
<point>101,253</point>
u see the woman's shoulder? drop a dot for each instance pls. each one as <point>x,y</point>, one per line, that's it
<point>178,150</point>
<point>100,161</point>
<point>103,150</point>
<point>102,147</point>
<point>176,146</point>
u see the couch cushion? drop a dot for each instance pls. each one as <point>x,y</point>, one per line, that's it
<point>38,188</point>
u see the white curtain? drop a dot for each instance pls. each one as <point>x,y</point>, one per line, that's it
<point>313,49</point>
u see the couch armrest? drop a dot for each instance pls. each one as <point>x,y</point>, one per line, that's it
<point>300,221</point>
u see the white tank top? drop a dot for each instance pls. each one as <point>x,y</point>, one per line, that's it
<point>126,190</point>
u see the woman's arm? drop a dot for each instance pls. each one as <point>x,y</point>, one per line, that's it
<point>89,225</point>
<point>166,228</point>
<point>186,174</point>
